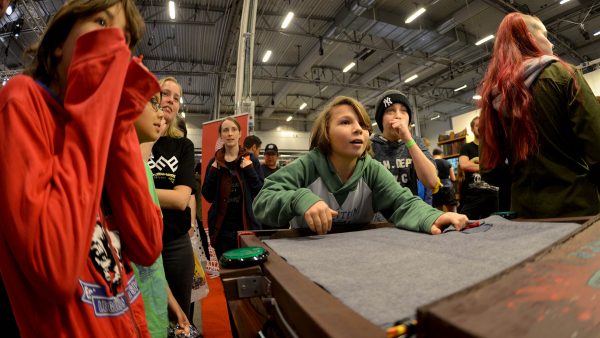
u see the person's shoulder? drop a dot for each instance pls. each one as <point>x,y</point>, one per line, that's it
<point>558,72</point>
<point>377,140</point>
<point>19,84</point>
<point>372,164</point>
<point>185,141</point>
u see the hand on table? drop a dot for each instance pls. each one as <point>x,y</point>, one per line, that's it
<point>320,217</point>
<point>446,219</point>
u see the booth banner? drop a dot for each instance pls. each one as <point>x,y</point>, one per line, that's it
<point>211,142</point>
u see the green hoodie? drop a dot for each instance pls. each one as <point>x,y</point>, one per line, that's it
<point>289,192</point>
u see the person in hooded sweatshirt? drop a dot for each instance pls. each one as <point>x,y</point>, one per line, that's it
<point>540,116</point>
<point>405,156</point>
<point>337,182</point>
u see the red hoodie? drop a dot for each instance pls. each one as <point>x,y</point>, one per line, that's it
<point>57,261</point>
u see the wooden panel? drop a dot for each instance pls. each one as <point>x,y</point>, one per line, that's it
<point>309,310</point>
<point>554,294</point>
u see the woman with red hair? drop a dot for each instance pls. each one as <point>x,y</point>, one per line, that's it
<point>540,116</point>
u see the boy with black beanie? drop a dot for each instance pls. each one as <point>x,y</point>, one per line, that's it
<point>405,156</point>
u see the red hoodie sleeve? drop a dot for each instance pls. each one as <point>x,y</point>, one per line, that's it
<point>53,164</point>
<point>134,213</point>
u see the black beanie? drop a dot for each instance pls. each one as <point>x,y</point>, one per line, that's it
<point>387,99</point>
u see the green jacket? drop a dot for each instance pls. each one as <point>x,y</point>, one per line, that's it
<point>557,181</point>
<point>289,192</point>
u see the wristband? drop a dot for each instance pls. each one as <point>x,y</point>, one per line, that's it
<point>410,143</point>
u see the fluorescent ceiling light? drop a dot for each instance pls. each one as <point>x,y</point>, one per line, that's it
<point>484,40</point>
<point>597,33</point>
<point>348,67</point>
<point>183,114</point>
<point>267,56</point>
<point>287,20</point>
<point>303,105</point>
<point>460,88</point>
<point>289,118</point>
<point>415,15</point>
<point>411,78</point>
<point>435,117</point>
<point>563,2</point>
<point>323,89</point>
<point>172,10</point>
<point>181,100</point>
<point>374,124</point>
<point>9,10</point>
<point>476,97</point>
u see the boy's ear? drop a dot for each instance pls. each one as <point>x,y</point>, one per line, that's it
<point>58,52</point>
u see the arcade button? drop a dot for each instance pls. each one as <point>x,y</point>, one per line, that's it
<point>243,257</point>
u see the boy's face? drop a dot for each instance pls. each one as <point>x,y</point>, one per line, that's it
<point>151,122</point>
<point>113,17</point>
<point>348,137</point>
<point>394,113</point>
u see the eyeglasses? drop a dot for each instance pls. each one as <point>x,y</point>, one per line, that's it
<point>155,103</point>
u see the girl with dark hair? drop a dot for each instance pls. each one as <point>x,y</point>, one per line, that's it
<point>338,182</point>
<point>74,202</point>
<point>539,115</point>
<point>232,181</point>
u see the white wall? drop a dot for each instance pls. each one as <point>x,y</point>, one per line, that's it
<point>593,79</point>
<point>432,129</point>
<point>463,121</point>
<point>287,140</point>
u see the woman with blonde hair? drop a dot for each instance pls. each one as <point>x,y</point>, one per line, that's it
<point>172,164</point>
<point>338,182</point>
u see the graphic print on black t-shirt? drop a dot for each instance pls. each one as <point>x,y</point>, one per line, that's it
<point>162,162</point>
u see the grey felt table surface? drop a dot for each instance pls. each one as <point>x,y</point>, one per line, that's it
<point>385,274</point>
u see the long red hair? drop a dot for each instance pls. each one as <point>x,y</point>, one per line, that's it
<point>509,132</point>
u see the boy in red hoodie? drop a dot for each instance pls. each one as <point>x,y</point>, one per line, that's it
<point>74,200</point>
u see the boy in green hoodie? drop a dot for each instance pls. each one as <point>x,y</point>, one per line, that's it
<point>338,182</point>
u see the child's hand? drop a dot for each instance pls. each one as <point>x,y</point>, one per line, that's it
<point>401,127</point>
<point>448,218</point>
<point>245,161</point>
<point>320,217</point>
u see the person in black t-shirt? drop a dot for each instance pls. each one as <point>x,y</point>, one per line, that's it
<point>446,196</point>
<point>232,181</point>
<point>477,198</point>
<point>468,161</point>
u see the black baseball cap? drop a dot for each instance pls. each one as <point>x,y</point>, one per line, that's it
<point>271,148</point>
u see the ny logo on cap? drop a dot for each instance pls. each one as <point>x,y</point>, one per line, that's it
<point>387,102</point>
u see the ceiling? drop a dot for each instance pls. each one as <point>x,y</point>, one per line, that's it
<point>199,48</point>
